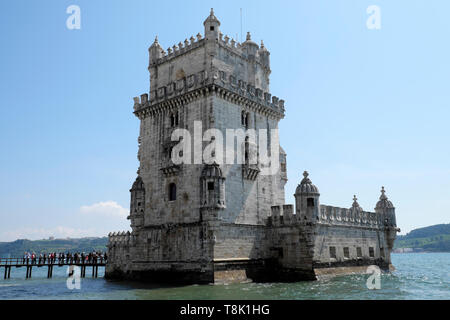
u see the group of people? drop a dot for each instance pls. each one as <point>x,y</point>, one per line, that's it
<point>64,258</point>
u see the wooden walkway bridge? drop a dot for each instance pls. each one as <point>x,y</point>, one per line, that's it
<point>9,263</point>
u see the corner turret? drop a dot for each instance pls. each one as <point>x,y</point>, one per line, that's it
<point>212,25</point>
<point>386,210</point>
<point>137,204</point>
<point>250,47</point>
<point>212,191</point>
<point>264,55</point>
<point>155,52</point>
<point>307,200</point>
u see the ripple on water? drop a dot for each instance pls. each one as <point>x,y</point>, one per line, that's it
<point>417,276</point>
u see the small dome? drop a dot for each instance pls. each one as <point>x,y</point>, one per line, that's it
<point>248,40</point>
<point>211,18</point>
<point>355,205</point>
<point>138,184</point>
<point>262,48</point>
<point>212,170</point>
<point>384,203</point>
<point>155,43</point>
<point>306,185</point>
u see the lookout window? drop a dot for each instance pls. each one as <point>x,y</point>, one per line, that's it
<point>310,202</point>
<point>210,186</point>
<point>346,253</point>
<point>359,252</point>
<point>172,192</point>
<point>333,252</point>
<point>244,119</point>
<point>211,28</point>
<point>174,119</point>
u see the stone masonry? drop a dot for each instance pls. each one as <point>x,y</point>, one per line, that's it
<point>214,222</point>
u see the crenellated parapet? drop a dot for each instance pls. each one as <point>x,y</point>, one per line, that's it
<point>225,85</point>
<point>309,211</point>
<point>329,215</point>
<point>248,51</point>
<point>342,216</point>
<point>177,50</point>
<point>119,238</point>
<point>282,215</point>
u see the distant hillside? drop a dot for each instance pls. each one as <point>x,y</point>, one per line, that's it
<point>434,238</point>
<point>17,248</point>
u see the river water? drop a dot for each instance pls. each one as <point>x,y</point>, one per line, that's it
<point>417,276</point>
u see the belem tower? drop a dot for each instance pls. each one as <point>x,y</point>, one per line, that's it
<point>214,223</point>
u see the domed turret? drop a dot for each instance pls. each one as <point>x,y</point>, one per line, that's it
<point>385,210</point>
<point>211,26</point>
<point>138,184</point>
<point>155,52</point>
<point>250,47</point>
<point>212,171</point>
<point>307,200</point>
<point>383,203</point>
<point>264,55</point>
<point>212,187</point>
<point>306,186</point>
<point>137,204</point>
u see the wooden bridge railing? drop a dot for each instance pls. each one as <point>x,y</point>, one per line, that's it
<point>55,261</point>
<point>29,263</point>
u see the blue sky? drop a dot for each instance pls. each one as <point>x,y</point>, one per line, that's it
<point>364,108</point>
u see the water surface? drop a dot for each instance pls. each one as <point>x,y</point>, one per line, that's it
<point>417,276</point>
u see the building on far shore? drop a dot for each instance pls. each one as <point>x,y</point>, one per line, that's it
<point>211,222</point>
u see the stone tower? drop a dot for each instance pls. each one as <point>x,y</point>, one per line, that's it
<point>202,214</point>
<point>203,84</point>
<point>220,85</point>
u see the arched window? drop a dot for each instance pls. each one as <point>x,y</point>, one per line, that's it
<point>172,192</point>
<point>310,202</point>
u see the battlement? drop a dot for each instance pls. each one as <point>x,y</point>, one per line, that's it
<point>218,79</point>
<point>177,50</point>
<point>260,53</point>
<point>119,238</point>
<point>282,215</point>
<point>351,217</point>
